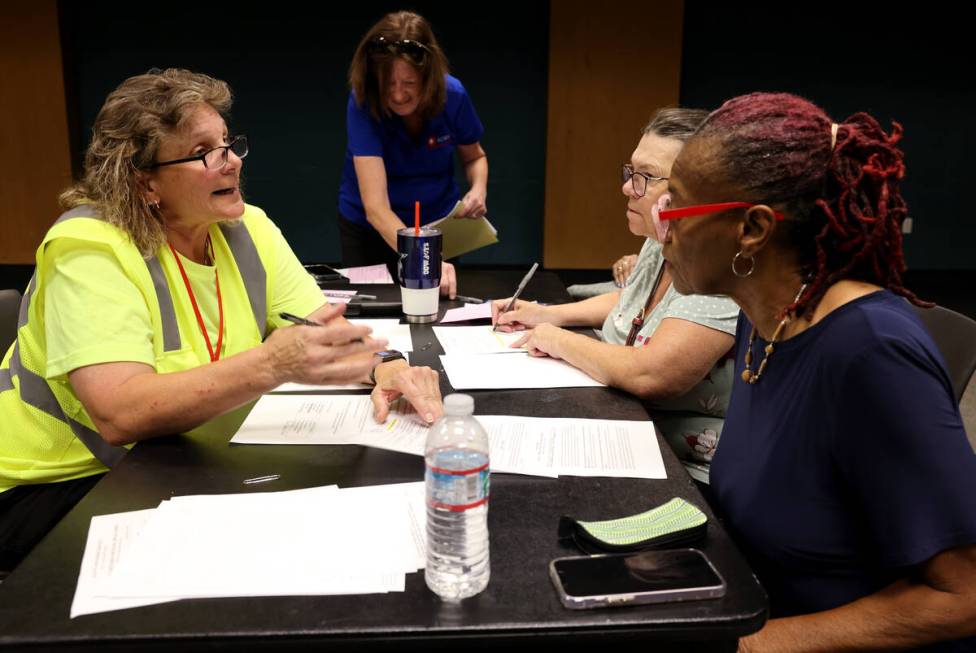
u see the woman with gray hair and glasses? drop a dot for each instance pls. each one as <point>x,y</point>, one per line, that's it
<point>667,348</point>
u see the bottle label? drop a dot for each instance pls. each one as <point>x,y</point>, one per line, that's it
<point>457,490</point>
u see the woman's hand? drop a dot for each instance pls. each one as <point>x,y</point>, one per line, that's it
<point>448,281</point>
<point>544,340</point>
<point>473,204</point>
<point>622,269</point>
<point>322,355</point>
<point>524,315</point>
<point>418,385</point>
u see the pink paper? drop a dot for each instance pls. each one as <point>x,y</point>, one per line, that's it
<point>368,274</point>
<point>338,296</point>
<point>468,312</point>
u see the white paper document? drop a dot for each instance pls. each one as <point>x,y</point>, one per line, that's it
<point>476,340</point>
<point>109,536</point>
<point>491,371</point>
<point>300,542</point>
<point>367,274</point>
<point>537,446</point>
<point>397,334</point>
<point>315,419</point>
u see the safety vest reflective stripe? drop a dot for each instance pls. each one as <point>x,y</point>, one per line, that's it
<point>35,392</point>
<point>167,314</point>
<point>252,271</point>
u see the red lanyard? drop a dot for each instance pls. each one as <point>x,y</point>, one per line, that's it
<point>214,353</point>
<point>638,322</point>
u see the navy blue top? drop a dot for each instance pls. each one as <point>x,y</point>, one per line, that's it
<point>847,462</point>
<point>420,168</point>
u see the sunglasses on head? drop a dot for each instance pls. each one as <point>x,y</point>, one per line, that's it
<point>415,51</point>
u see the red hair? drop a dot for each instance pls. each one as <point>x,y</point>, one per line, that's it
<point>843,203</point>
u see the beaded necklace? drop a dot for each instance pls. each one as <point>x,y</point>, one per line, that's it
<point>747,374</point>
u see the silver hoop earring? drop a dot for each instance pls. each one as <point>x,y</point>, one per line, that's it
<point>154,206</point>
<point>751,260</point>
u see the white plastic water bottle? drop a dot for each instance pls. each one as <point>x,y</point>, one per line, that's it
<point>457,502</point>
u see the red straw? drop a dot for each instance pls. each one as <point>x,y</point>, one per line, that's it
<point>416,218</point>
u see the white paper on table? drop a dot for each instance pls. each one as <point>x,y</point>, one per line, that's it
<point>319,419</point>
<point>304,387</point>
<point>397,335</point>
<point>338,296</point>
<point>585,447</point>
<point>511,449</point>
<point>413,496</point>
<point>313,541</point>
<point>468,312</point>
<point>367,274</point>
<point>109,536</point>
<point>519,370</point>
<point>476,340</point>
<point>519,445</point>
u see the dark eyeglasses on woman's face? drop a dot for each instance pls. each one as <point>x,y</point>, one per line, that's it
<point>638,180</point>
<point>214,158</point>
<point>415,51</point>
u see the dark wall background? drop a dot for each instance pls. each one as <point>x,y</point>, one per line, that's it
<point>288,72</point>
<point>909,64</point>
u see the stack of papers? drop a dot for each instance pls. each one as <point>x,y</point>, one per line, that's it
<point>536,446</point>
<point>398,336</point>
<point>472,362</point>
<point>257,544</point>
<point>463,235</point>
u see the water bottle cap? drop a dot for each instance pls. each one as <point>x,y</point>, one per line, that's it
<point>458,404</point>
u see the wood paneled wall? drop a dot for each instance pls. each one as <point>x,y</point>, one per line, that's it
<point>610,67</point>
<point>35,155</point>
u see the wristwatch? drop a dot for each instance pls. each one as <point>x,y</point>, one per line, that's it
<point>385,357</point>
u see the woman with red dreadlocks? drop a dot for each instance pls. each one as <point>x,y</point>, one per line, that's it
<point>844,470</point>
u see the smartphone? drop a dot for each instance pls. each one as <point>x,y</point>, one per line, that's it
<point>635,578</point>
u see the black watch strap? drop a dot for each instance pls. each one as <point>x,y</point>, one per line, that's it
<point>385,357</point>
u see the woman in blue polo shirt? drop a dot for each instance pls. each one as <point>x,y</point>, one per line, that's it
<point>405,119</point>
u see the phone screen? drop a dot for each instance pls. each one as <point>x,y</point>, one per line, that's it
<point>636,573</point>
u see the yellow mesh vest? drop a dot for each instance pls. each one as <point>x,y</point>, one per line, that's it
<point>45,433</point>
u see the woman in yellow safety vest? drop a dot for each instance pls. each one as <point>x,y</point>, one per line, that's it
<point>155,308</point>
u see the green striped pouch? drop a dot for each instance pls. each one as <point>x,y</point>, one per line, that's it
<point>676,523</point>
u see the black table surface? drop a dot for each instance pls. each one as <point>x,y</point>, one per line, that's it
<point>519,606</point>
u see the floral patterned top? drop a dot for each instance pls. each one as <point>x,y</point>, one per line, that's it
<point>693,422</point>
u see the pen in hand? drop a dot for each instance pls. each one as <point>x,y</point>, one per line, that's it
<point>303,322</point>
<point>518,291</point>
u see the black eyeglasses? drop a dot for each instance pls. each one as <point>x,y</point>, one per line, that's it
<point>415,51</point>
<point>215,158</point>
<point>638,180</point>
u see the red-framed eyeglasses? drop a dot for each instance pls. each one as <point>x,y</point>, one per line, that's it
<point>662,214</point>
<point>704,209</point>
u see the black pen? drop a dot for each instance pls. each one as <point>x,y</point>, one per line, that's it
<point>518,291</point>
<point>298,320</point>
<point>303,322</point>
<point>469,300</point>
